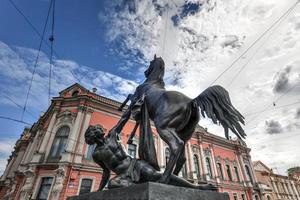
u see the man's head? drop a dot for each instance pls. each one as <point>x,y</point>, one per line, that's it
<point>93,134</point>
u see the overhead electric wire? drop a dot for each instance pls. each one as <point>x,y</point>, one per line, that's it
<point>165,33</point>
<point>259,48</point>
<point>257,40</point>
<point>15,120</point>
<point>18,105</point>
<point>51,39</point>
<point>40,35</point>
<point>37,58</point>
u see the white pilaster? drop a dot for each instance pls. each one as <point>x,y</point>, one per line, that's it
<point>72,139</point>
<point>81,140</point>
<point>48,133</point>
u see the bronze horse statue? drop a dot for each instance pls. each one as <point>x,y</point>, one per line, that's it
<point>175,115</point>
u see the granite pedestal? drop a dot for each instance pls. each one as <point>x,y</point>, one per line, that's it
<point>152,191</point>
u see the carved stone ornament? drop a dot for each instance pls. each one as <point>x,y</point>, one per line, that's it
<point>58,186</point>
<point>66,117</point>
<point>26,190</point>
<point>207,152</point>
<point>218,159</point>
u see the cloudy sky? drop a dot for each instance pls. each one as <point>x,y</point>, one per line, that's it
<point>108,45</point>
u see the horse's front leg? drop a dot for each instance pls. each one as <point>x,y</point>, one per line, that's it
<point>176,146</point>
<point>132,134</point>
<point>124,103</point>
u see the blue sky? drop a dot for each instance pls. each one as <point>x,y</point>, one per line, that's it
<point>108,44</point>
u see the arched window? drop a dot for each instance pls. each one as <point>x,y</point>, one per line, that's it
<point>132,150</point>
<point>249,174</point>
<point>208,167</point>
<point>196,164</point>
<point>90,151</point>
<point>59,143</point>
<point>220,171</point>
<point>183,171</point>
<point>229,175</point>
<point>237,173</point>
<point>75,93</point>
<point>167,155</point>
<point>268,197</point>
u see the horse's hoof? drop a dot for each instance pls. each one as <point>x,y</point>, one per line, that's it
<point>208,187</point>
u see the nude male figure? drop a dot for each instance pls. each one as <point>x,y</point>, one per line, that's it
<point>110,155</point>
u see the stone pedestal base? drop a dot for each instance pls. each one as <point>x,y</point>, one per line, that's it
<point>152,191</point>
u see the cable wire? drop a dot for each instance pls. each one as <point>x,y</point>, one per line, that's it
<point>259,48</point>
<point>40,35</point>
<point>257,40</point>
<point>51,39</point>
<point>36,60</point>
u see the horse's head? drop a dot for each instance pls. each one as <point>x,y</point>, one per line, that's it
<point>156,69</point>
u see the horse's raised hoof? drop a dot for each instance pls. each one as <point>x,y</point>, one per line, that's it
<point>208,187</point>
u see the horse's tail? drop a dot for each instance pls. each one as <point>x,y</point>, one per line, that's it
<point>215,103</point>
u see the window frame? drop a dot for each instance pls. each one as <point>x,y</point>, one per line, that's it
<point>220,169</point>
<point>228,172</point>
<point>130,150</point>
<point>196,166</point>
<point>62,140</point>
<point>208,167</point>
<point>86,177</point>
<point>36,190</point>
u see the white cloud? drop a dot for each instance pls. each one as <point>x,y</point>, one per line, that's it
<point>16,65</point>
<point>6,147</point>
<point>203,43</point>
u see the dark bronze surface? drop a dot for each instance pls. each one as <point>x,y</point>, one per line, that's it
<point>175,117</point>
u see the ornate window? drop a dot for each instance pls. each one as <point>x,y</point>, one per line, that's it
<point>229,175</point>
<point>167,155</point>
<point>86,186</point>
<point>243,197</point>
<point>220,171</point>
<point>90,151</point>
<point>208,167</point>
<point>132,150</point>
<point>44,188</point>
<point>183,171</point>
<point>249,174</point>
<point>59,143</point>
<point>196,164</point>
<point>237,174</point>
<point>235,196</point>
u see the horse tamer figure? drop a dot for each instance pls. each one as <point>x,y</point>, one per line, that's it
<point>176,116</point>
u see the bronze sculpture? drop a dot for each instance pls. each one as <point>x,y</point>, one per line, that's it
<point>175,117</point>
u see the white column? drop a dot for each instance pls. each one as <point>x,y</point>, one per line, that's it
<point>192,167</point>
<point>295,189</point>
<point>81,140</point>
<point>214,163</point>
<point>205,171</point>
<point>72,139</point>
<point>162,152</point>
<point>48,133</point>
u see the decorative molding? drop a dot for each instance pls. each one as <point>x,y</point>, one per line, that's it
<point>66,117</point>
<point>218,159</point>
<point>58,186</point>
<point>207,152</point>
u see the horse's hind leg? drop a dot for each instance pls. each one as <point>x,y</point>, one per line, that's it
<point>176,145</point>
<point>180,162</point>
